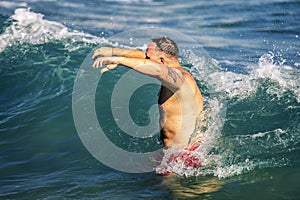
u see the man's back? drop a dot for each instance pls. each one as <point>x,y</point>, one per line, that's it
<point>179,111</point>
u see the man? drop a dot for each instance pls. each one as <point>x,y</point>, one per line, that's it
<point>180,99</point>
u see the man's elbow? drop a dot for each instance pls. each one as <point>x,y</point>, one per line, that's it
<point>158,71</point>
<point>153,70</point>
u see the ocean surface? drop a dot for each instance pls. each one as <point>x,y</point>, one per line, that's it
<point>244,55</point>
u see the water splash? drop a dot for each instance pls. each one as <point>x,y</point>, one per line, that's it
<point>273,87</point>
<point>277,72</point>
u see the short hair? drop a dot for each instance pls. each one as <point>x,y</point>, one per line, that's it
<point>166,45</point>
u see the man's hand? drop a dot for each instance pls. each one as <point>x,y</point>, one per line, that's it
<point>110,62</point>
<point>103,51</point>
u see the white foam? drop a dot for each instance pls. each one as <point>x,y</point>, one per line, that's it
<point>234,169</point>
<point>30,27</point>
<point>9,4</point>
<point>229,85</point>
<point>285,76</point>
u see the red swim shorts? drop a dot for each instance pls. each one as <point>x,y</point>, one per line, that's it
<point>186,157</point>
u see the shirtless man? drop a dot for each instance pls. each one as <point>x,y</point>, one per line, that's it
<point>180,100</point>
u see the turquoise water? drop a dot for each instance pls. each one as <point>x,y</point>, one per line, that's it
<point>250,86</point>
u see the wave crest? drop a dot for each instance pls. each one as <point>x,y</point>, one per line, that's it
<point>31,28</point>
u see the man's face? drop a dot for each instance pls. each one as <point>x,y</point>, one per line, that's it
<point>153,53</point>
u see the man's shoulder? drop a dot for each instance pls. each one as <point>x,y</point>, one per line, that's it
<point>187,75</point>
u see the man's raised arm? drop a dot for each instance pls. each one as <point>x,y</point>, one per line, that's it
<point>167,75</point>
<point>119,52</point>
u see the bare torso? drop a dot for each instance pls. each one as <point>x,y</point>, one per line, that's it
<point>179,111</point>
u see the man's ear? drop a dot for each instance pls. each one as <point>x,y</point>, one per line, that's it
<point>162,60</point>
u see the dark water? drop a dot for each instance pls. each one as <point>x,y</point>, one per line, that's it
<point>250,86</point>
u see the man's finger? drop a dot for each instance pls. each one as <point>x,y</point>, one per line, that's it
<point>97,63</point>
<point>96,54</point>
<point>104,70</point>
<point>112,66</point>
<point>108,67</point>
<point>101,60</point>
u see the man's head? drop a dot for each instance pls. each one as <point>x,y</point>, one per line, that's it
<point>162,48</point>
<point>166,45</point>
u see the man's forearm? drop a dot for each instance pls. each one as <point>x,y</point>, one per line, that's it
<point>128,53</point>
<point>144,66</point>
<point>170,76</point>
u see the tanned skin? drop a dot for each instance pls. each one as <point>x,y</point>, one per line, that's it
<point>180,100</point>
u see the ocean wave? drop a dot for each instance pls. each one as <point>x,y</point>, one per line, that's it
<point>38,54</point>
<point>222,89</point>
<point>236,86</point>
<point>31,28</point>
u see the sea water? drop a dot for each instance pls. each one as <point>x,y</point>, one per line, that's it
<point>250,85</point>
